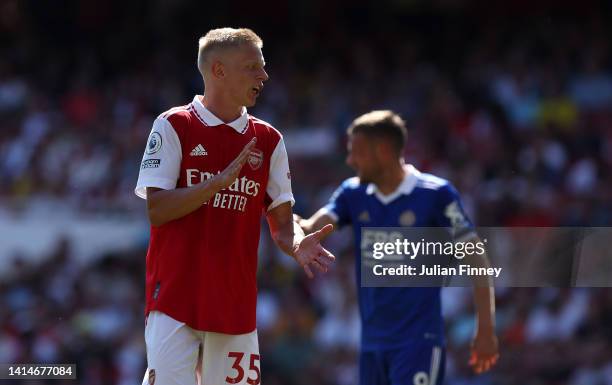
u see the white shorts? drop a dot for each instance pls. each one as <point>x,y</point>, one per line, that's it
<point>174,351</point>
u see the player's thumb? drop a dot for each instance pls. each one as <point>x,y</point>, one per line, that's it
<point>324,232</point>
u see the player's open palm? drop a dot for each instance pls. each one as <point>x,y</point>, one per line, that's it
<point>231,172</point>
<point>484,351</point>
<point>309,252</point>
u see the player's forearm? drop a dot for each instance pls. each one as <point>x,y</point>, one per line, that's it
<point>484,301</point>
<point>285,232</point>
<point>167,205</point>
<point>288,236</point>
<point>484,292</point>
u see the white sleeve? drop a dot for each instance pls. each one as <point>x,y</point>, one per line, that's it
<point>279,182</point>
<point>161,162</point>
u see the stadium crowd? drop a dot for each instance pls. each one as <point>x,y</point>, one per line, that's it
<point>518,116</point>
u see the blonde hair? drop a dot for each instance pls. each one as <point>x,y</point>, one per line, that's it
<point>223,38</point>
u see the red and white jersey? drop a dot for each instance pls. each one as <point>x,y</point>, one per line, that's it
<point>201,268</point>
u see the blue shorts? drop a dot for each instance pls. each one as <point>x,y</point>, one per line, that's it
<point>419,364</point>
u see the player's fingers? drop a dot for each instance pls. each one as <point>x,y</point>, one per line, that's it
<point>480,366</point>
<point>324,232</point>
<point>323,260</point>
<point>492,361</point>
<point>231,175</point>
<point>473,359</point>
<point>246,151</point>
<point>233,170</point>
<point>308,271</point>
<point>322,268</point>
<point>483,365</point>
<point>249,146</point>
<point>325,253</point>
<point>326,257</point>
<point>492,358</point>
<point>244,154</point>
<point>315,258</point>
<point>487,365</point>
<point>240,160</point>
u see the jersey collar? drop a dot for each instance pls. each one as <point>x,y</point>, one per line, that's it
<point>406,187</point>
<point>210,119</point>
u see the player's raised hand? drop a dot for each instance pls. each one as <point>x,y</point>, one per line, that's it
<point>309,252</point>
<point>484,352</point>
<point>231,172</point>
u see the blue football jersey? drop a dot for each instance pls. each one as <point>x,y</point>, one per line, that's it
<point>397,317</point>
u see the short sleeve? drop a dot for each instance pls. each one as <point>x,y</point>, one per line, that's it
<point>338,207</point>
<point>451,214</point>
<point>160,166</point>
<point>279,183</point>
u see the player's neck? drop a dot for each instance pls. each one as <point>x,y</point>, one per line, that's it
<point>223,110</point>
<point>390,179</point>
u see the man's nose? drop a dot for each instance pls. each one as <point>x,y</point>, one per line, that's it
<point>263,75</point>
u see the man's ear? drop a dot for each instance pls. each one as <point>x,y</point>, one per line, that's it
<point>383,149</point>
<point>217,69</point>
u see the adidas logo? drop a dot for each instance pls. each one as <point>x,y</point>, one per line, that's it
<point>198,150</point>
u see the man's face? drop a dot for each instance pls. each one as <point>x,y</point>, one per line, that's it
<point>244,74</point>
<point>362,157</point>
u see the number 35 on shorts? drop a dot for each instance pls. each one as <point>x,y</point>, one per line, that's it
<point>244,366</point>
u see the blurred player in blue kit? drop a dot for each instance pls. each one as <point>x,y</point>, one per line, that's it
<point>402,338</point>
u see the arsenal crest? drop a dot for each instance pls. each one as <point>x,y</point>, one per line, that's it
<point>255,159</point>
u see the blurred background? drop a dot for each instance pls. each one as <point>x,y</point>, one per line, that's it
<point>511,101</point>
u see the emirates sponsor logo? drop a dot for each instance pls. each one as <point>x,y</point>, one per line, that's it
<point>232,197</point>
<point>244,185</point>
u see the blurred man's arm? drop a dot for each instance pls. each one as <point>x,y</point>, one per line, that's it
<point>289,237</point>
<point>316,222</point>
<point>484,349</point>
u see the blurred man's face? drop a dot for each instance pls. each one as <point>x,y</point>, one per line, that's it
<point>244,74</point>
<point>363,158</point>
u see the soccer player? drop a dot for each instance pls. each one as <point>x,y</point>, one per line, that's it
<point>402,328</point>
<point>208,173</point>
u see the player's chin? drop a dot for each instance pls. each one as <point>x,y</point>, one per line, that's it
<point>252,97</point>
<point>251,101</point>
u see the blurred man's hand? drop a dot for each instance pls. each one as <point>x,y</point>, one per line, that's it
<point>484,351</point>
